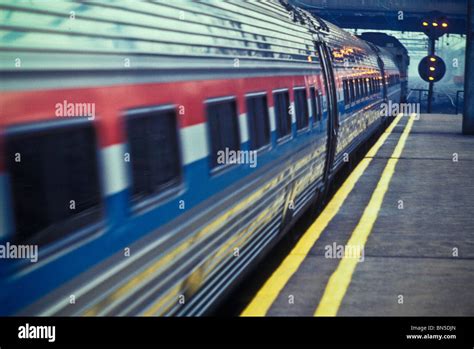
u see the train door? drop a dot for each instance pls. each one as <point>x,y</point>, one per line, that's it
<point>333,119</point>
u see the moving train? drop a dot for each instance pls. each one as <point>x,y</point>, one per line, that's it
<point>152,152</point>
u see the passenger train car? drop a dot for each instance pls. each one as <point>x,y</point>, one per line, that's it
<point>113,118</point>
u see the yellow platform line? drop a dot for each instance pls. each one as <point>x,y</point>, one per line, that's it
<point>270,290</point>
<point>341,278</point>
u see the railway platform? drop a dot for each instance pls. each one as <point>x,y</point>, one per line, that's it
<point>396,239</point>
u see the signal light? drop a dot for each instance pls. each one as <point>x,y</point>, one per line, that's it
<point>444,25</point>
<point>432,68</point>
<point>425,24</point>
<point>435,24</point>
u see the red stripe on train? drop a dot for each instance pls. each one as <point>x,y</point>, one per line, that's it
<point>111,101</point>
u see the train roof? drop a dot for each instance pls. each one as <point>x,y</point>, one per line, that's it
<point>100,34</point>
<point>348,49</point>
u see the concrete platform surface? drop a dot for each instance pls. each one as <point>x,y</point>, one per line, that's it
<point>418,255</point>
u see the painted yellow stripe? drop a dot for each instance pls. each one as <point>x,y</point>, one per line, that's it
<point>265,297</point>
<point>342,276</point>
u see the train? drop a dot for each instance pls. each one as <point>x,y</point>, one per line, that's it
<point>122,127</point>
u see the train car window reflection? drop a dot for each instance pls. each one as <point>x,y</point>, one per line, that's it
<point>319,104</point>
<point>282,113</point>
<point>315,105</point>
<point>346,92</point>
<point>357,89</point>
<point>154,150</point>
<point>223,128</point>
<point>301,108</point>
<point>54,179</point>
<point>258,121</point>
<point>352,90</point>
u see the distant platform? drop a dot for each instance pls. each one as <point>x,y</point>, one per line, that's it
<point>409,206</point>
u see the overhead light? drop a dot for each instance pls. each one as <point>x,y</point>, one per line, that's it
<point>425,24</point>
<point>435,24</point>
<point>444,25</point>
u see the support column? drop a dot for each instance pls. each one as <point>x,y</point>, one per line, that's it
<point>468,116</point>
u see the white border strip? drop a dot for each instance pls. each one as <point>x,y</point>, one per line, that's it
<point>114,171</point>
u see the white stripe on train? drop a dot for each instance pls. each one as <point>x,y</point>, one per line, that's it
<point>272,119</point>
<point>114,170</point>
<point>244,135</point>
<point>194,143</point>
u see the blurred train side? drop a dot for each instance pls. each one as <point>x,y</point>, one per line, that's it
<point>175,243</point>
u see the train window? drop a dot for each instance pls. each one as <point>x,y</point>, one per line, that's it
<point>283,117</point>
<point>352,90</point>
<point>312,99</point>
<point>54,179</point>
<point>344,91</point>
<point>223,128</point>
<point>319,105</point>
<point>258,121</point>
<point>301,108</point>
<point>361,88</point>
<point>315,98</point>
<point>357,90</point>
<point>154,150</point>
<point>345,88</point>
